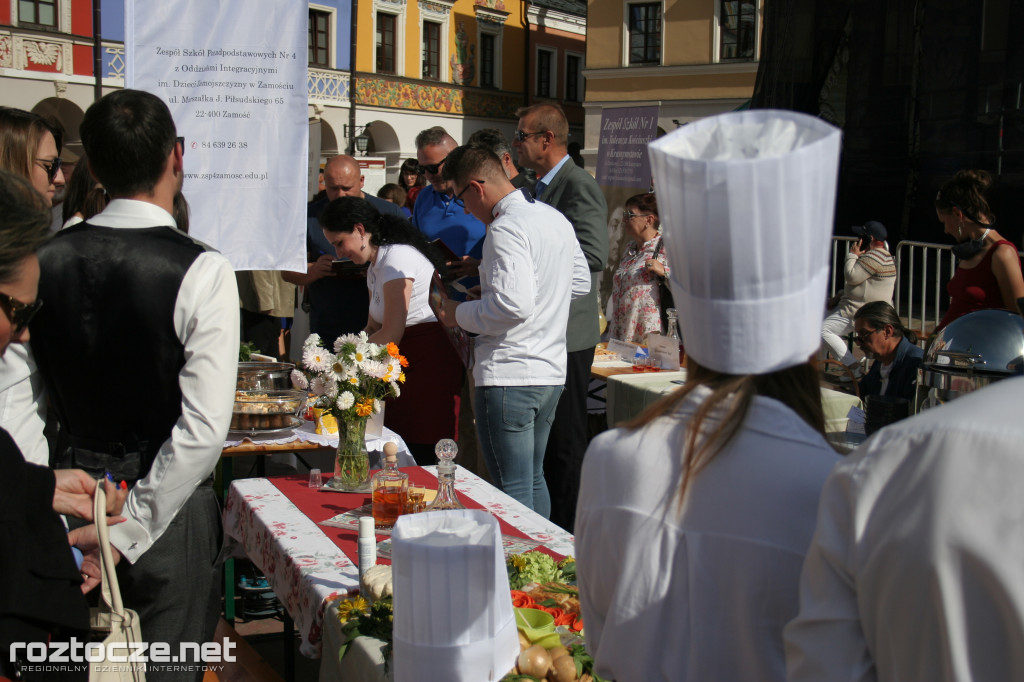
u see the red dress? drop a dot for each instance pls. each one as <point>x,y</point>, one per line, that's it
<point>975,288</point>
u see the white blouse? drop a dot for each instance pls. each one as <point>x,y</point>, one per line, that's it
<point>699,592</point>
<point>401,261</point>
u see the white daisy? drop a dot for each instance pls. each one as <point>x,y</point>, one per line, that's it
<point>375,369</point>
<point>343,339</point>
<point>318,386</point>
<point>346,400</point>
<point>311,340</point>
<point>377,405</point>
<point>317,359</point>
<point>363,337</point>
<point>299,380</point>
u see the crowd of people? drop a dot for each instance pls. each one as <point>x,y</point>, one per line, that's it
<point>737,530</point>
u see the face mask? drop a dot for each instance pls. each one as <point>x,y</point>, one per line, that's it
<point>970,247</point>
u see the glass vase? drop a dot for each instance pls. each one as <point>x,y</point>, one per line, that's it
<point>352,464</point>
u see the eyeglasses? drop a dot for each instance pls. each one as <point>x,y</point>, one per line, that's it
<point>865,335</point>
<point>521,135</point>
<point>627,215</point>
<point>51,166</point>
<point>458,197</point>
<point>19,314</point>
<point>431,168</point>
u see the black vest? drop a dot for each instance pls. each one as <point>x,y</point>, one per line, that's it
<point>104,339</point>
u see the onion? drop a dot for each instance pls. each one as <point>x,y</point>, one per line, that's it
<point>535,661</point>
<point>564,669</point>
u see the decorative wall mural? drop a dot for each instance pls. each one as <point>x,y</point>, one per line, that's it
<point>383,92</point>
<point>491,4</point>
<point>464,60</point>
<point>6,59</point>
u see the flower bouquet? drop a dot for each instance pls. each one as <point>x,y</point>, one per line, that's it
<point>350,382</point>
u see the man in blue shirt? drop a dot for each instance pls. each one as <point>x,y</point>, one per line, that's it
<point>337,306</point>
<point>438,217</point>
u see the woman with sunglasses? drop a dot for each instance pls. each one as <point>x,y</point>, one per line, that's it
<point>28,149</point>
<point>636,300</point>
<point>988,274</point>
<point>882,336</point>
<point>401,266</point>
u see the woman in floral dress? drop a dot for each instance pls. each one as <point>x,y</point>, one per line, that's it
<point>636,304</point>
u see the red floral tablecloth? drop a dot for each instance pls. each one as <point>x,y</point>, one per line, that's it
<point>308,565</point>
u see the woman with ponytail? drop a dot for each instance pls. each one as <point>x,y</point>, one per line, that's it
<point>401,265</point>
<point>989,273</point>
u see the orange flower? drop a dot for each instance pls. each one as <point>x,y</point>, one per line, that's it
<point>402,361</point>
<point>393,350</point>
<point>521,600</point>
<point>364,408</point>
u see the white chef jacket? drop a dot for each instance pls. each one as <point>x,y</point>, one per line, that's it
<point>700,593</point>
<point>22,406</point>
<point>531,267</point>
<point>916,572</point>
<point>206,322</point>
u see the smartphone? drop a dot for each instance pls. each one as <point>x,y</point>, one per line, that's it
<point>446,253</point>
<point>865,243</point>
<point>346,269</point>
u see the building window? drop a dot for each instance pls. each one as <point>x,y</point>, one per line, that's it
<point>737,27</point>
<point>385,43</point>
<point>645,33</point>
<point>487,52</point>
<point>431,50</point>
<point>37,13</point>
<point>545,73</point>
<point>573,78</point>
<point>319,38</point>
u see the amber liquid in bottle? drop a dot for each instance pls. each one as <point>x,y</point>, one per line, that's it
<point>388,504</point>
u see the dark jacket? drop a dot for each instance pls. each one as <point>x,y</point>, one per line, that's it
<point>902,379</point>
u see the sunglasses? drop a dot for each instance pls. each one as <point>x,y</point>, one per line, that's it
<point>19,314</point>
<point>432,168</point>
<point>865,335</point>
<point>627,215</point>
<point>458,197</point>
<point>521,135</point>
<point>51,166</point>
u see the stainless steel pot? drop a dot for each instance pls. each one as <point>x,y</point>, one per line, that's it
<point>265,376</point>
<point>974,351</point>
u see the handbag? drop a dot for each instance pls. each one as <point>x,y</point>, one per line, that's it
<point>111,621</point>
<point>665,300</point>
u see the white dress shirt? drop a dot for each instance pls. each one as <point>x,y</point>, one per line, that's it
<point>206,323</point>
<point>22,407</point>
<point>916,572</point>
<point>700,591</point>
<point>531,267</point>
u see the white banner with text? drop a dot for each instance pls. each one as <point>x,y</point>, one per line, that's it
<point>233,73</point>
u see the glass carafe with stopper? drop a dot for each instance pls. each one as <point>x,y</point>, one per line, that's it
<point>446,449</point>
<point>672,322</point>
<point>390,488</point>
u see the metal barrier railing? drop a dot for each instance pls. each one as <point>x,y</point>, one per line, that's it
<point>838,280</point>
<point>919,271</point>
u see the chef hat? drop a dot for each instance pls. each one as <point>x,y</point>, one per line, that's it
<point>746,202</point>
<point>453,616</point>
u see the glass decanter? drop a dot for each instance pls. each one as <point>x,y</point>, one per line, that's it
<point>446,449</point>
<point>390,489</point>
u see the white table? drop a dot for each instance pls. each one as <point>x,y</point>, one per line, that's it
<point>630,394</point>
<point>307,570</point>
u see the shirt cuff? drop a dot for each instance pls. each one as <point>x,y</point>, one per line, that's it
<point>130,539</point>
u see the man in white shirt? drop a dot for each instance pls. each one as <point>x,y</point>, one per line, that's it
<point>531,267</point>
<point>914,572</point>
<point>138,348</point>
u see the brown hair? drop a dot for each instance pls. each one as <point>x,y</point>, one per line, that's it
<point>20,133</point>
<point>645,202</point>
<point>411,166</point>
<point>469,160</point>
<point>550,117</point>
<point>24,222</point>
<point>797,387</point>
<point>968,190</point>
<point>392,192</point>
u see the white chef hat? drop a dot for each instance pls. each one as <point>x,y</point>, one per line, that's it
<point>746,202</point>
<point>453,615</point>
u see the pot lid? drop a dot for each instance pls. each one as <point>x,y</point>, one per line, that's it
<point>983,342</point>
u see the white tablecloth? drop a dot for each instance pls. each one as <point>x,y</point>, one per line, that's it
<point>628,395</point>
<point>306,569</point>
